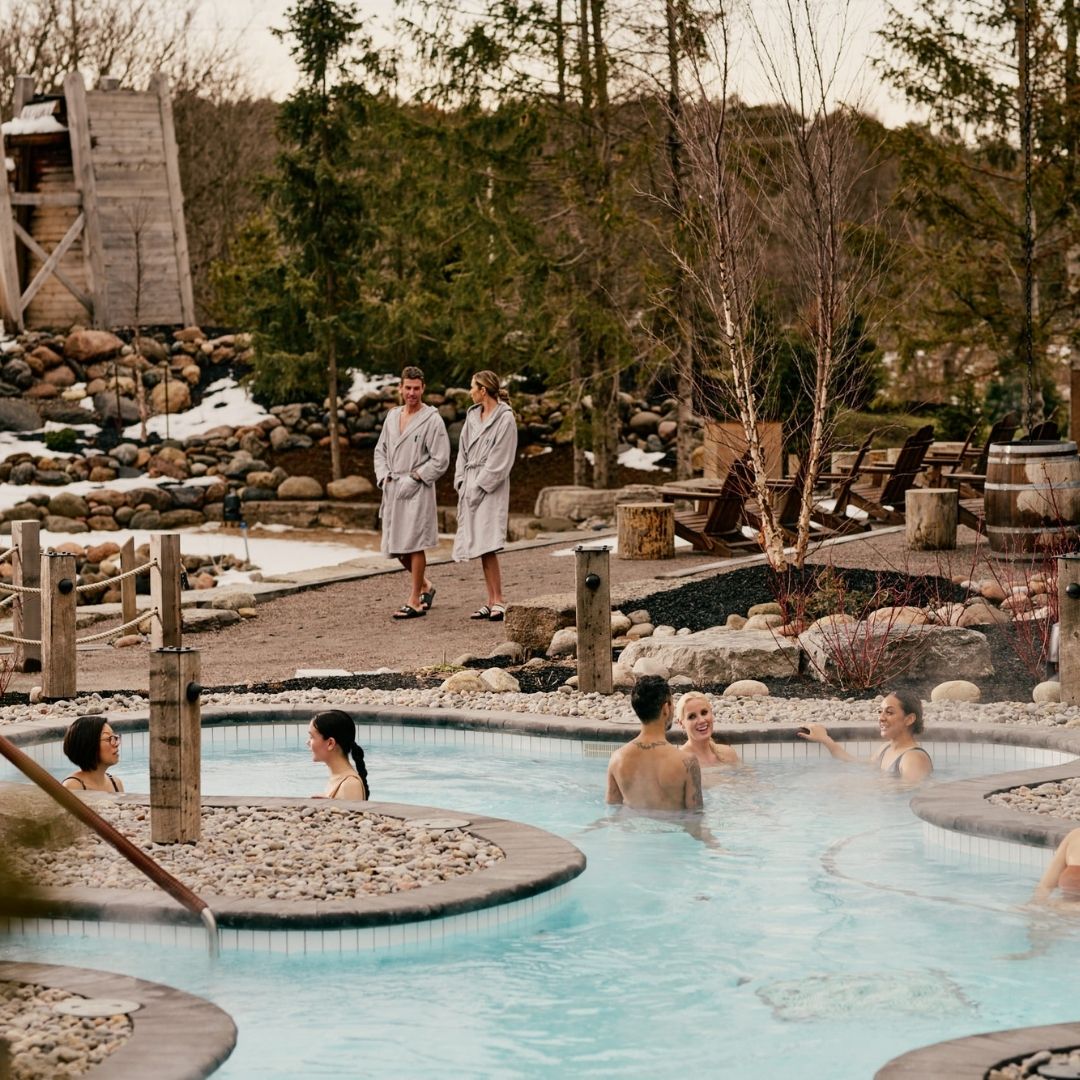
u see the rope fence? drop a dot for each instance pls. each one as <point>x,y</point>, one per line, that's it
<point>153,613</point>
<point>6,554</point>
<point>98,585</point>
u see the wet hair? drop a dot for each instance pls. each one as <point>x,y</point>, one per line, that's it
<point>490,382</point>
<point>340,726</point>
<point>685,699</point>
<point>412,372</point>
<point>648,697</point>
<point>82,741</point>
<point>910,703</point>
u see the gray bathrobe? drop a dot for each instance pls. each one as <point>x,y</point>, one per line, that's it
<point>486,455</point>
<point>408,511</point>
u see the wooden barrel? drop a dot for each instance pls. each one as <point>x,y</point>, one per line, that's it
<point>1032,497</point>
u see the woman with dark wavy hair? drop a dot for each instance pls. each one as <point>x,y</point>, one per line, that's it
<point>900,719</point>
<point>332,739</point>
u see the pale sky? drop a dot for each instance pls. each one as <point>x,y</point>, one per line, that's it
<point>271,69</point>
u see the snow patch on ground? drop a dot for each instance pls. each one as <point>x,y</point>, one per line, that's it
<point>635,458</point>
<point>272,557</point>
<point>224,402</point>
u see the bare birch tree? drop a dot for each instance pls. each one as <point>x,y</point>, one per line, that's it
<point>771,192</point>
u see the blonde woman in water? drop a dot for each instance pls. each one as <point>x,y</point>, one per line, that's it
<point>695,715</point>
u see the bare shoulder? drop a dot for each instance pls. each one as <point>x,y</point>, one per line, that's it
<point>726,754</point>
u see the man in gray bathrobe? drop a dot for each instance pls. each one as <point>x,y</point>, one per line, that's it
<point>412,453</point>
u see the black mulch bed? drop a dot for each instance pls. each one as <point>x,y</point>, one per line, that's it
<point>701,604</point>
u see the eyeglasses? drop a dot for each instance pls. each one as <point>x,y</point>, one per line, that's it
<point>112,740</point>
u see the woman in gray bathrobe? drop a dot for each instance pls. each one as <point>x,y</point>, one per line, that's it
<point>486,455</point>
<point>413,451</point>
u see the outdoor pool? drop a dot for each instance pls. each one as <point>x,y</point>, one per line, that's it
<point>826,939</point>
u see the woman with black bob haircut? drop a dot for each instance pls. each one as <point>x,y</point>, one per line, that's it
<point>92,744</point>
<point>331,739</point>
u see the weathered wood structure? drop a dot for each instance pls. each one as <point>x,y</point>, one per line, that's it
<point>91,213</point>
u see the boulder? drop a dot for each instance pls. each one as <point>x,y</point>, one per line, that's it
<point>98,553</point>
<point>532,623</point>
<point>125,453</point>
<point>230,599</point>
<point>719,656</point>
<point>154,497</point>
<point>622,678</point>
<point>640,630</point>
<point>187,498</point>
<point>955,690</point>
<point>89,346</point>
<point>619,623</point>
<point>64,504</point>
<point>1047,691</point>
<point>649,665</point>
<point>61,377</point>
<point>500,681</point>
<point>18,415</point>
<point>897,616</point>
<point>55,524</point>
<point>105,405</point>
<point>181,519</point>
<point>645,422</point>
<point>764,622</point>
<point>929,652</point>
<point>350,488</point>
<point>770,608</point>
<point>563,642</point>
<point>144,519</point>
<point>300,487</point>
<point>196,620</point>
<point>508,650</point>
<point>579,503</point>
<point>746,688</point>
<point>982,615</point>
<point>173,396</point>
<point>465,682</point>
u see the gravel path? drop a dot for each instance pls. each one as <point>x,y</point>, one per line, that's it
<point>348,625</point>
<point>45,1043</point>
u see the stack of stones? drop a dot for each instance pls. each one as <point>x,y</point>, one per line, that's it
<point>92,376</point>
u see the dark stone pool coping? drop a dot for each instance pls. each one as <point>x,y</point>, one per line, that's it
<point>176,1035</point>
<point>971,1058</point>
<point>535,862</point>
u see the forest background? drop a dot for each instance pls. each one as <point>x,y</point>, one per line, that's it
<point>574,192</point>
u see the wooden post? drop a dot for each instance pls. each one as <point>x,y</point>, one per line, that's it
<point>1074,400</point>
<point>26,607</point>
<point>1069,628</point>
<point>160,84</point>
<point>10,289</point>
<point>593,620</point>
<point>24,93</point>
<point>175,752</point>
<point>128,604</point>
<point>646,530</point>
<point>165,590</point>
<point>930,518</point>
<point>86,184</point>
<point>57,626</point>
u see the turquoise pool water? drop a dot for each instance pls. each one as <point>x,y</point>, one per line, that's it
<point>827,939</point>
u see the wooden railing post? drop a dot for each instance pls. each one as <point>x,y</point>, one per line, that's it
<point>26,607</point>
<point>57,626</point>
<point>1069,628</point>
<point>593,620</point>
<point>175,753</point>
<point>165,590</point>
<point>128,603</point>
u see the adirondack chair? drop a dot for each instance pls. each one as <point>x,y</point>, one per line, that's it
<point>837,521</point>
<point>970,484</point>
<point>715,525</point>
<point>886,504</point>
<point>788,503</point>
<point>1047,431</point>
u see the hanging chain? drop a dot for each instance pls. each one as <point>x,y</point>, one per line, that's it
<point>1029,236</point>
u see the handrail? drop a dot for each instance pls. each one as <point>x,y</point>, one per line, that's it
<point>134,855</point>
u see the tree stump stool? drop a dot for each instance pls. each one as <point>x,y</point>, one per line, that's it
<point>930,518</point>
<point>646,530</point>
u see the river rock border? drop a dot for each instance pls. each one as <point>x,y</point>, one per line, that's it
<point>176,1036</point>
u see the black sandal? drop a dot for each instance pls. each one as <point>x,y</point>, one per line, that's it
<point>427,598</point>
<point>481,613</point>
<point>498,612</point>
<point>407,611</point>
